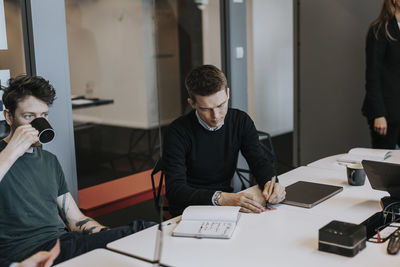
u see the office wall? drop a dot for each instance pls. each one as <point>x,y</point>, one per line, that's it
<point>270,44</point>
<point>211,33</point>
<point>13,57</point>
<point>168,57</point>
<point>330,81</point>
<point>51,61</point>
<point>113,55</point>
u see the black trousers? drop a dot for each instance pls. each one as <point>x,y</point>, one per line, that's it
<point>388,141</point>
<point>74,243</point>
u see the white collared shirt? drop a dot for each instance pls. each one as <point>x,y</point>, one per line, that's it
<point>206,126</point>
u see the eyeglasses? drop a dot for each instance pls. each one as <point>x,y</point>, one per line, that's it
<point>391,223</point>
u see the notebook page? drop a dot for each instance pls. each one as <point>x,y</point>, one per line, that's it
<point>211,229</point>
<point>211,213</point>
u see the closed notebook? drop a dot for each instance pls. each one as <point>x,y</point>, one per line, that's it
<point>207,222</point>
<point>307,195</point>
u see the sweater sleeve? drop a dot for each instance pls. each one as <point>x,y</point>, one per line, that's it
<point>5,262</point>
<point>178,191</point>
<point>251,149</point>
<point>375,53</point>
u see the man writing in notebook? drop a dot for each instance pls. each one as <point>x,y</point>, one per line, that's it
<point>201,149</point>
<point>33,190</point>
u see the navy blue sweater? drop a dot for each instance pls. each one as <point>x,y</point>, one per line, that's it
<point>198,162</point>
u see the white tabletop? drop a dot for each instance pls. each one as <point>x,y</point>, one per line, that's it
<point>287,236</point>
<point>332,163</point>
<point>103,258</point>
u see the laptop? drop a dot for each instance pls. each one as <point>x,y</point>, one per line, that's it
<point>383,176</point>
<point>308,194</point>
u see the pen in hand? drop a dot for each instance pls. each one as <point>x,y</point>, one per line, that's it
<point>270,190</point>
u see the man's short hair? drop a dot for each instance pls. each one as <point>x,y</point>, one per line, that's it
<point>23,86</point>
<point>205,80</point>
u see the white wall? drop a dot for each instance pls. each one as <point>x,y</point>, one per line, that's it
<point>51,61</point>
<point>167,63</point>
<point>272,63</point>
<point>113,55</point>
<point>332,77</point>
<point>211,33</point>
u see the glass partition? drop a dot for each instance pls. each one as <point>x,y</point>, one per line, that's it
<point>128,61</point>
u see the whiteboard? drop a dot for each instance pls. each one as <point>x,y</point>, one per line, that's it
<point>3,35</point>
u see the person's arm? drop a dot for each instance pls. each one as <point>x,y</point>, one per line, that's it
<point>39,259</point>
<point>259,165</point>
<point>246,201</point>
<point>5,263</point>
<point>74,218</point>
<point>21,140</point>
<point>375,54</point>
<point>176,145</point>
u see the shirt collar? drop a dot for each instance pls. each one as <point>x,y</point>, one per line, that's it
<point>206,126</point>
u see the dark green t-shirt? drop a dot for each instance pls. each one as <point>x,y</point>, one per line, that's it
<point>28,208</point>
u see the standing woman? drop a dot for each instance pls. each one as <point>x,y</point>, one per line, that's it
<point>382,101</point>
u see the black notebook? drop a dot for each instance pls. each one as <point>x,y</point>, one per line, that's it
<point>307,194</point>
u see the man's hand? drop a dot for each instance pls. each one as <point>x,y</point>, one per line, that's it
<point>246,201</point>
<point>380,125</point>
<point>22,139</point>
<point>278,193</point>
<point>42,258</point>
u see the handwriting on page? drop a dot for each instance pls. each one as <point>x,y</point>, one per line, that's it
<point>215,228</point>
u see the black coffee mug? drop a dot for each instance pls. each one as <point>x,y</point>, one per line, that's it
<point>355,174</point>
<point>46,132</point>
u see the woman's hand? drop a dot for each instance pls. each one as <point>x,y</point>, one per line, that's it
<point>380,125</point>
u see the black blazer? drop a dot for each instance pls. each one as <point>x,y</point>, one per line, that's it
<point>383,75</point>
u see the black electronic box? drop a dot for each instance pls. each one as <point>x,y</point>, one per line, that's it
<point>342,238</point>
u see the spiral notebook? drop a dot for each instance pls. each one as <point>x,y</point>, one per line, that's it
<point>207,222</point>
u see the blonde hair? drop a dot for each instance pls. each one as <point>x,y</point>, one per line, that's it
<point>388,12</point>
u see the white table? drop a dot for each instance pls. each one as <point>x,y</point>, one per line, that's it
<point>332,163</point>
<point>103,258</point>
<point>287,236</point>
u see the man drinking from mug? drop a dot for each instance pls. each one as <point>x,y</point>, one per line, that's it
<point>33,190</point>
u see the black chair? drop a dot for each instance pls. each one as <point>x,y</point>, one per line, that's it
<point>269,151</point>
<point>4,128</point>
<point>159,199</point>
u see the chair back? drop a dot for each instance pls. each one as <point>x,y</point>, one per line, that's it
<point>268,147</point>
<point>269,151</point>
<point>158,197</point>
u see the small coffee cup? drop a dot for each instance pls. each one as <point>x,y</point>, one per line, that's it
<point>355,174</point>
<point>46,132</point>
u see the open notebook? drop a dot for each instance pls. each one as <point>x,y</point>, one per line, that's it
<point>207,221</point>
<point>356,155</point>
